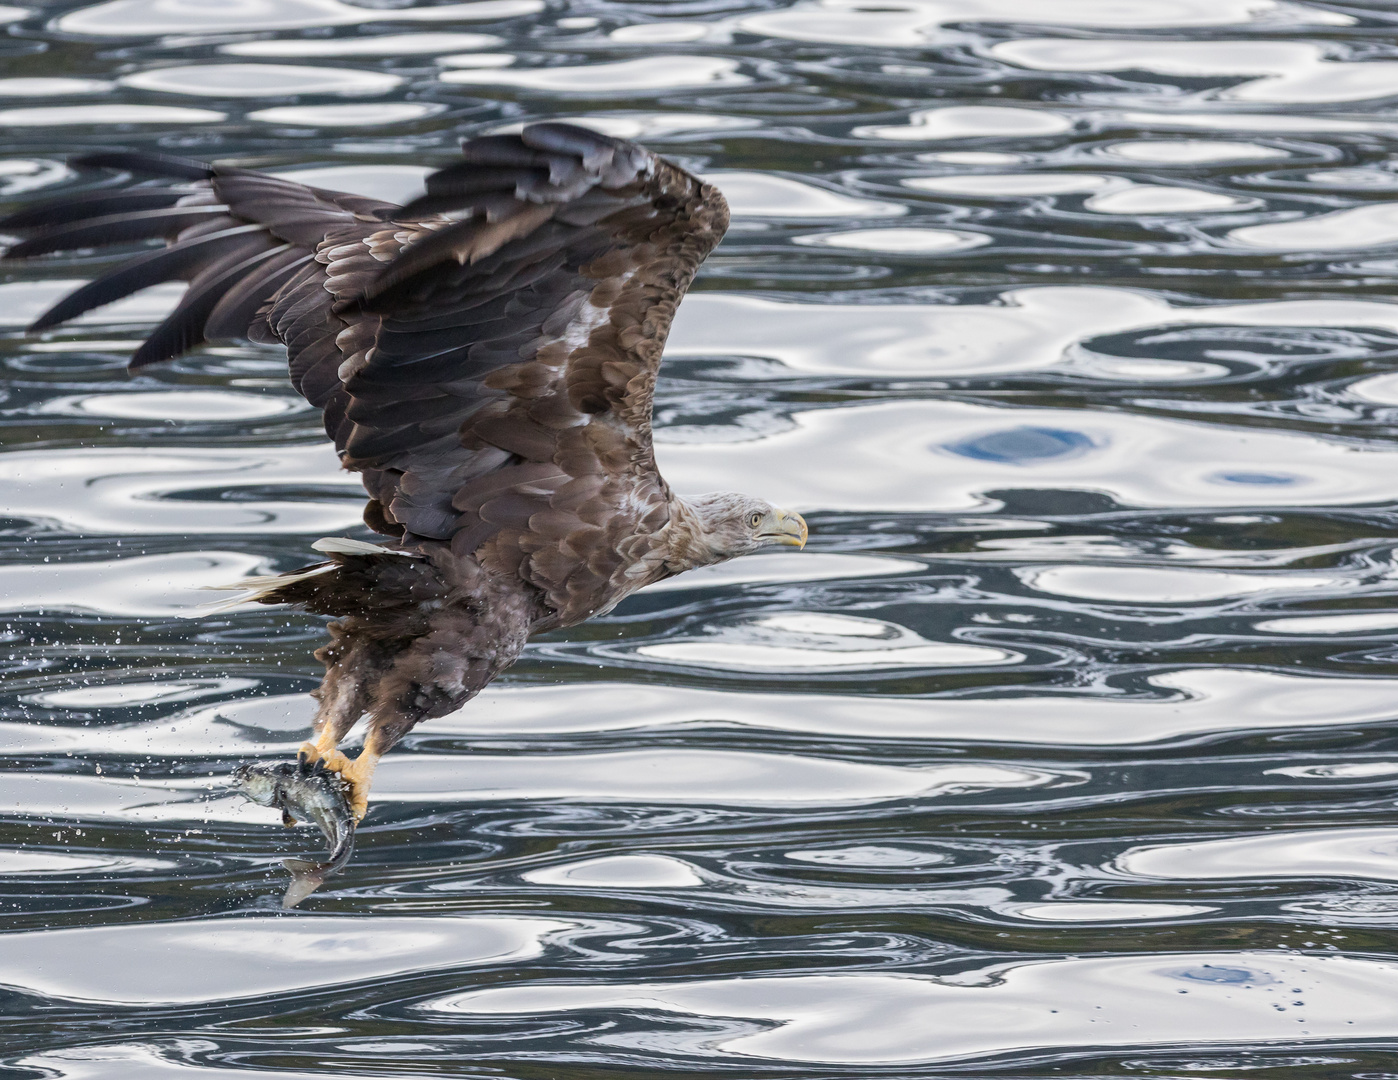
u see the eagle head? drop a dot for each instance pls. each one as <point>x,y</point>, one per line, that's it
<point>725,524</point>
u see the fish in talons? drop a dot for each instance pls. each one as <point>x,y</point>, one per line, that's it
<point>306,792</point>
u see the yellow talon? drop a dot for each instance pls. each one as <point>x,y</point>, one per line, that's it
<point>335,761</point>
<point>357,772</point>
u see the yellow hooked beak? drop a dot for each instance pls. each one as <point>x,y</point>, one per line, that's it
<point>784,527</point>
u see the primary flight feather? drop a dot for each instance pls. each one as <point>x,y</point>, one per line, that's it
<point>485,357</point>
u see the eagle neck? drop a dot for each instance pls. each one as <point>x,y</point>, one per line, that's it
<point>688,543</point>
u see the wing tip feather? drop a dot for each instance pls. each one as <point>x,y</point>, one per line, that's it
<point>137,161</point>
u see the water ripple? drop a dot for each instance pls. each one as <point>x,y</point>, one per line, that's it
<point>1064,748</point>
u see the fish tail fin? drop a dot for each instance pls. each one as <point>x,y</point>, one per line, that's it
<point>306,878</point>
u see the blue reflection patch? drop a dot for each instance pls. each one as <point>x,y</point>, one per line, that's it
<point>1255,478</point>
<point>1230,976</point>
<point>1021,445</point>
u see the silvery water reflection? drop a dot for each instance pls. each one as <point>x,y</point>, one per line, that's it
<point>1018,330</point>
<point>624,78</point>
<point>104,115</point>
<point>1069,326</point>
<point>1292,71</point>
<point>223,958</point>
<point>262,80</point>
<point>378,45</point>
<point>148,18</point>
<point>1191,999</point>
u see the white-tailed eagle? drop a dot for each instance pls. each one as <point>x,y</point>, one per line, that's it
<point>485,357</point>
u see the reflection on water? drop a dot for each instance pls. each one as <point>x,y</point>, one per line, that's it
<point>243,957</point>
<point>885,1019</point>
<point>1066,748</point>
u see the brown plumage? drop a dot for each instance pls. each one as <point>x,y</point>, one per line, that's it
<point>485,357</point>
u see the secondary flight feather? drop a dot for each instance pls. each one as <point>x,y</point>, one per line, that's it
<point>485,357</point>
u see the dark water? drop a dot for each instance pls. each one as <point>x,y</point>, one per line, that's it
<point>1067,748</point>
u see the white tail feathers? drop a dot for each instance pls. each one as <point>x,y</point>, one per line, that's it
<point>343,545</point>
<point>254,588</point>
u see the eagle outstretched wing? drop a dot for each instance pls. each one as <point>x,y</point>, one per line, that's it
<point>485,356</point>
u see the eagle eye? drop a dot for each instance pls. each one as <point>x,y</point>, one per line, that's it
<point>755,520</point>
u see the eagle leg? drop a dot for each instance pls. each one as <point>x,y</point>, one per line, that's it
<point>359,774</point>
<point>343,697</point>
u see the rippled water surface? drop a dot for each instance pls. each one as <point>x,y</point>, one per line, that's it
<point>1066,748</point>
